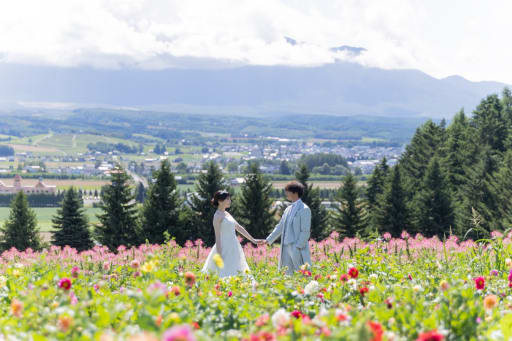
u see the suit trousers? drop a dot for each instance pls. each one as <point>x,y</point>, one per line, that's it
<point>291,258</point>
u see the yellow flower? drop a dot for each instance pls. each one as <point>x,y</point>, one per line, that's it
<point>16,273</point>
<point>149,266</point>
<point>174,317</point>
<point>218,261</point>
<point>490,301</point>
<point>55,304</point>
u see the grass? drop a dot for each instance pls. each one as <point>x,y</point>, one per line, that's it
<point>45,214</point>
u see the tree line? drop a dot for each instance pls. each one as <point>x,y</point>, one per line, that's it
<point>451,179</point>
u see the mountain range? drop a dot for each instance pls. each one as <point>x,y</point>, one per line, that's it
<point>340,88</point>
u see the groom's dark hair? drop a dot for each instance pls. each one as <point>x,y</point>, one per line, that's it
<point>295,187</point>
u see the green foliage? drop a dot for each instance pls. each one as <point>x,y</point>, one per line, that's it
<point>118,221</point>
<point>348,218</point>
<point>201,222</point>
<point>160,211</point>
<point>253,207</point>
<point>71,226</point>
<point>20,230</point>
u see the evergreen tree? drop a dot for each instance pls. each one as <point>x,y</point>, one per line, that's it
<point>490,124</point>
<point>376,182</point>
<point>391,214</point>
<point>254,204</point>
<point>118,221</point>
<point>284,168</point>
<point>432,205</point>
<point>478,197</point>
<point>160,211</point>
<point>501,186</point>
<point>347,220</point>
<point>201,224</point>
<point>20,229</point>
<point>140,193</point>
<point>426,142</point>
<point>458,153</point>
<point>311,197</point>
<point>70,224</point>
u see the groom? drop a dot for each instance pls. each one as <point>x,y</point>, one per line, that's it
<point>294,229</point>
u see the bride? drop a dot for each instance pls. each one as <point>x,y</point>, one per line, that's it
<point>226,242</point>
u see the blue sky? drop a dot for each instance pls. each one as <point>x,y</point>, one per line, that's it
<point>442,38</point>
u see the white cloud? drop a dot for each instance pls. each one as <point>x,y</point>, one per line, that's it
<point>465,37</point>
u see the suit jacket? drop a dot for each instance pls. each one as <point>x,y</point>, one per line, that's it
<point>297,232</point>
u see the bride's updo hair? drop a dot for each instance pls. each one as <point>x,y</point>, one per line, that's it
<point>219,196</point>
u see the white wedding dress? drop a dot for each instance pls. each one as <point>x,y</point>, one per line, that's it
<point>232,253</point>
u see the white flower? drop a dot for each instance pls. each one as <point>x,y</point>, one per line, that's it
<point>373,276</point>
<point>280,318</point>
<point>311,288</point>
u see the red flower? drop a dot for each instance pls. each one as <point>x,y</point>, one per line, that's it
<point>480,283</point>
<point>353,272</point>
<point>176,290</point>
<point>317,277</point>
<point>376,330</point>
<point>389,303</point>
<point>363,290</point>
<point>190,278</point>
<point>65,283</point>
<point>341,317</point>
<point>432,335</point>
<point>297,314</point>
<point>344,278</point>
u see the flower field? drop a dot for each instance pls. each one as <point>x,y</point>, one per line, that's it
<point>410,288</point>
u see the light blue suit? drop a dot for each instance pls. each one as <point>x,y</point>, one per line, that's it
<point>294,231</point>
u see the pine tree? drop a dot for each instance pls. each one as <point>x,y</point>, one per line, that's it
<point>490,124</point>
<point>70,224</point>
<point>458,153</point>
<point>161,208</point>
<point>118,221</point>
<point>201,226</point>
<point>254,204</point>
<point>140,193</point>
<point>376,182</point>
<point>432,207</point>
<point>478,197</point>
<point>391,214</point>
<point>501,187</point>
<point>311,197</point>
<point>284,168</point>
<point>426,142</point>
<point>20,229</point>
<point>347,220</point>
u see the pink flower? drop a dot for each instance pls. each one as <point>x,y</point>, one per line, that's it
<point>179,333</point>
<point>190,278</point>
<point>510,276</point>
<point>135,264</point>
<point>480,283</point>
<point>106,266</point>
<point>65,283</point>
<point>410,277</point>
<point>230,294</point>
<point>387,236</point>
<point>75,271</point>
<point>494,272</point>
<point>363,290</point>
<point>262,320</point>
<point>430,336</point>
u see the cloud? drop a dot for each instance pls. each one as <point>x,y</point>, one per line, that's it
<point>441,38</point>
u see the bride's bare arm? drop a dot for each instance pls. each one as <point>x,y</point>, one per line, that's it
<point>217,219</point>
<point>244,232</point>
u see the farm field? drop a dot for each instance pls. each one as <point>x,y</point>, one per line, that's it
<point>409,288</point>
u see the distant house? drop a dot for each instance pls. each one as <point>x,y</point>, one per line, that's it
<point>39,188</point>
